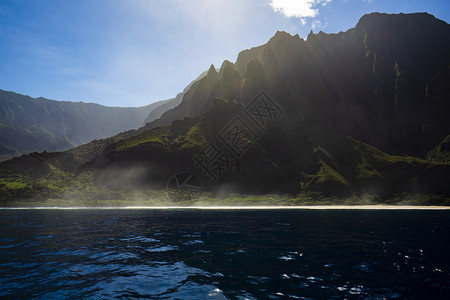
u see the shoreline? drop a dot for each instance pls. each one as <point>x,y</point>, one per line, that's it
<point>303,207</point>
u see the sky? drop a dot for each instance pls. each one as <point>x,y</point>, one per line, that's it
<point>136,52</point>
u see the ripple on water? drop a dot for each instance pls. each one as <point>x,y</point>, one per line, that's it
<point>193,242</point>
<point>162,279</point>
<point>140,239</point>
<point>215,294</point>
<point>118,256</point>
<point>286,257</point>
<point>365,267</point>
<point>313,279</point>
<point>212,255</point>
<point>162,248</point>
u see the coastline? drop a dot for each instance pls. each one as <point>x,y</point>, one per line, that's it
<point>274,207</point>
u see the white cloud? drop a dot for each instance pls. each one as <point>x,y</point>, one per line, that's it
<point>298,8</point>
<point>318,24</point>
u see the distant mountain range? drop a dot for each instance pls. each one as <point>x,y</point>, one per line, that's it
<point>39,124</point>
<point>363,111</point>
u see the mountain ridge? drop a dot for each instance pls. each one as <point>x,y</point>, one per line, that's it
<point>362,111</point>
<point>171,103</point>
<point>37,124</point>
<point>30,124</point>
<point>381,81</point>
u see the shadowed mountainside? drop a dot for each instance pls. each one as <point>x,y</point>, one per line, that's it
<point>363,111</point>
<point>384,81</point>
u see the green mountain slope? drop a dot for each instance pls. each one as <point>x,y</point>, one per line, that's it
<point>37,124</point>
<point>359,112</point>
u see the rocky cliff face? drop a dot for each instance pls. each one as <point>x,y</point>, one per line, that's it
<point>361,111</point>
<point>370,82</point>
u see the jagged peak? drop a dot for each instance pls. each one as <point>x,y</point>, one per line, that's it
<point>212,74</point>
<point>281,33</point>
<point>212,70</point>
<point>282,36</point>
<point>225,64</point>
<point>226,67</point>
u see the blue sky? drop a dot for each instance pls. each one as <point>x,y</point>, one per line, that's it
<point>135,52</point>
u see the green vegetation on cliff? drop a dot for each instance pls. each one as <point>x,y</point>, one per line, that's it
<point>355,117</point>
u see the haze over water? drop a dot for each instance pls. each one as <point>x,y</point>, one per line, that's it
<point>224,254</point>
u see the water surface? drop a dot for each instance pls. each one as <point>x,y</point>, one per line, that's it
<point>224,254</point>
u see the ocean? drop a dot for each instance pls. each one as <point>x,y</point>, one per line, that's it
<point>224,254</point>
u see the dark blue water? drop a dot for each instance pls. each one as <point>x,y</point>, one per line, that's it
<point>224,254</point>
